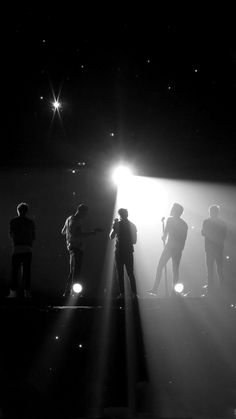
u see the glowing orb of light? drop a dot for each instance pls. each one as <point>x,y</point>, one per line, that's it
<point>56,104</point>
<point>77,288</point>
<point>179,287</point>
<point>121,174</point>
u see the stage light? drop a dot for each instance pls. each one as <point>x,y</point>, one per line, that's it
<point>121,174</point>
<point>179,287</point>
<point>77,288</point>
<point>56,105</point>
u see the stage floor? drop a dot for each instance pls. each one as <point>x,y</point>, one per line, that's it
<point>169,357</point>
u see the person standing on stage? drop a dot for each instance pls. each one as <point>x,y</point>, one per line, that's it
<point>175,232</point>
<point>74,231</point>
<point>125,233</point>
<point>214,231</point>
<point>22,233</point>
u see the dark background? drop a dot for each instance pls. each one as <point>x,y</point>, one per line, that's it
<point>162,80</point>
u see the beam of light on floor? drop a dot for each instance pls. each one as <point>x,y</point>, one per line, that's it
<point>52,353</point>
<point>136,376</point>
<point>101,338</point>
<point>164,338</point>
<point>148,201</point>
<point>136,370</point>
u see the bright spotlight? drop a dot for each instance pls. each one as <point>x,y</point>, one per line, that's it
<point>77,288</point>
<point>179,287</point>
<point>121,174</point>
<point>56,105</point>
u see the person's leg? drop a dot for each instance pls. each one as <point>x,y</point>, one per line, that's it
<point>15,267</point>
<point>70,276</point>
<point>219,267</point>
<point>26,277</point>
<point>120,272</point>
<point>210,259</point>
<point>176,256</point>
<point>129,264</point>
<point>165,256</point>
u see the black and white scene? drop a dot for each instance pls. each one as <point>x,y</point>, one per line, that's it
<point>118,211</point>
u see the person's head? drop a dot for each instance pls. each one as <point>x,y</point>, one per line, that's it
<point>214,211</point>
<point>176,210</point>
<point>82,210</point>
<point>123,213</point>
<point>22,209</point>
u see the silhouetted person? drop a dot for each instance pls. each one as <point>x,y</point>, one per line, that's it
<point>22,233</point>
<point>175,232</point>
<point>214,231</point>
<point>125,233</point>
<point>74,231</point>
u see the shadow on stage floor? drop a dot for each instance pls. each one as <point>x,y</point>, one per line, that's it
<point>68,358</point>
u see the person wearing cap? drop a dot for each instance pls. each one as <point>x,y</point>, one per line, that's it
<point>73,229</point>
<point>175,232</point>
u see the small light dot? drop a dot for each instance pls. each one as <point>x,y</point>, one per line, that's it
<point>148,61</point>
<point>41,97</point>
<point>195,70</point>
<point>56,337</point>
<point>112,134</point>
<point>192,227</point>
<point>227,257</point>
<point>73,171</point>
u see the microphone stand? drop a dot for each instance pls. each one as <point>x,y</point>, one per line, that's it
<point>166,281</point>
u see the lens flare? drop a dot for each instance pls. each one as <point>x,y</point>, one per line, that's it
<point>179,287</point>
<point>77,288</point>
<point>121,174</point>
